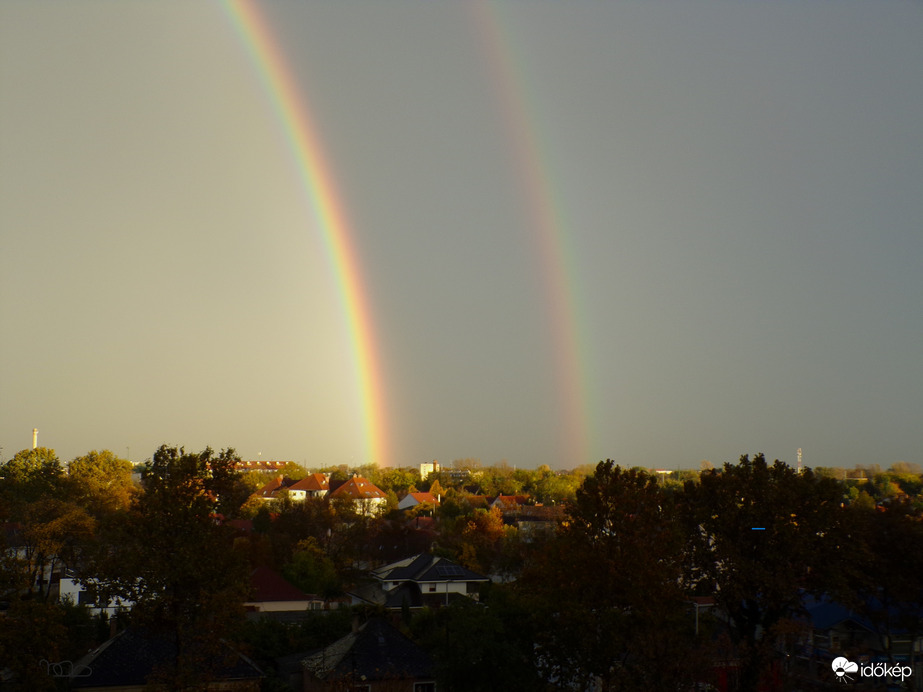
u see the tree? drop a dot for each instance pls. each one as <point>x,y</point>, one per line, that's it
<point>54,533</point>
<point>100,482</point>
<point>173,558</point>
<point>607,592</point>
<point>32,632</point>
<point>312,571</point>
<point>886,584</point>
<point>761,538</point>
<point>477,648</point>
<point>31,474</point>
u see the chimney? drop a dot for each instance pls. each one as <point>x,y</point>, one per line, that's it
<point>34,438</point>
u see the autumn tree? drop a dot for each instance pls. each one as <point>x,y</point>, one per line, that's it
<point>100,482</point>
<point>172,557</point>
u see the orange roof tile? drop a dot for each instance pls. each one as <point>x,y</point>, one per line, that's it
<point>358,488</point>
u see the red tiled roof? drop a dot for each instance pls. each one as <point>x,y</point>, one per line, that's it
<point>314,482</point>
<point>424,497</point>
<point>511,499</point>
<point>358,488</point>
<point>268,585</point>
<point>271,487</point>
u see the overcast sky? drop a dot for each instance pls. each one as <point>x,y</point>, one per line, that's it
<point>731,197</point>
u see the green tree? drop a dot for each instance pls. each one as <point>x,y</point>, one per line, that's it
<point>761,538</point>
<point>100,482</point>
<point>478,648</point>
<point>31,474</point>
<point>312,571</point>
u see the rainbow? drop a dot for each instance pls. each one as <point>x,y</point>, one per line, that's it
<point>546,217</point>
<point>319,185</point>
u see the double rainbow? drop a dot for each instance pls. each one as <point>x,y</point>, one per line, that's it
<point>545,217</point>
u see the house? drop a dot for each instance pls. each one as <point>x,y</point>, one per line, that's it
<point>509,503</point>
<point>73,590</point>
<point>272,490</point>
<point>418,581</point>
<point>369,498</point>
<point>411,500</point>
<point>834,630</point>
<point>272,593</point>
<point>374,657</point>
<point>535,520</point>
<point>315,485</point>
<point>131,658</point>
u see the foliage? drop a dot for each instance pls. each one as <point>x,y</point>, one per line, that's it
<point>312,571</point>
<point>30,475</point>
<point>479,647</point>
<point>173,558</point>
<point>100,482</point>
<point>33,631</point>
<point>887,550</point>
<point>606,594</point>
<point>760,577</point>
<point>54,533</point>
<point>265,639</point>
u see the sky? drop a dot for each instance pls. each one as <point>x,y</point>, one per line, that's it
<point>537,232</point>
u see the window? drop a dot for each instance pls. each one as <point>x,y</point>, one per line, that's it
<point>432,588</point>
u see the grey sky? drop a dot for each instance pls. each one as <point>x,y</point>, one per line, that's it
<point>740,186</point>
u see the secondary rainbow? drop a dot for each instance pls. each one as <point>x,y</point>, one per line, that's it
<point>319,184</point>
<point>547,221</point>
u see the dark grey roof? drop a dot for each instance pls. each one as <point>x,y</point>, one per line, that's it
<point>377,651</point>
<point>131,656</point>
<point>426,567</point>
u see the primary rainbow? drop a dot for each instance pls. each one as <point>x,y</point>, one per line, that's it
<point>318,182</point>
<point>546,217</point>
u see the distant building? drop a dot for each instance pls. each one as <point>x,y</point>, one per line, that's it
<point>426,469</point>
<point>261,465</point>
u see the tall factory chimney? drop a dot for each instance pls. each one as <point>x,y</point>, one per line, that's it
<point>34,438</point>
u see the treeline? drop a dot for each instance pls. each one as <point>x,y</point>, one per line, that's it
<point>602,597</point>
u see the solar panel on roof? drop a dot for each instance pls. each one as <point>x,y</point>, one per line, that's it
<point>449,571</point>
